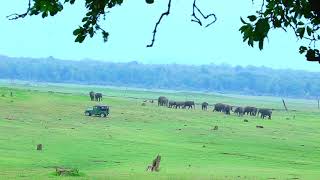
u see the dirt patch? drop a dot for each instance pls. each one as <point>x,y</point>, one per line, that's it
<point>237,154</point>
<point>60,171</point>
<point>10,118</point>
<point>99,161</point>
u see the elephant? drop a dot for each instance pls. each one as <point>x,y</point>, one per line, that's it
<point>239,111</point>
<point>91,94</point>
<point>227,109</point>
<point>98,96</point>
<point>219,107</point>
<point>252,111</point>
<point>172,104</point>
<point>162,101</point>
<point>204,106</point>
<point>265,112</point>
<point>179,104</point>
<point>189,104</point>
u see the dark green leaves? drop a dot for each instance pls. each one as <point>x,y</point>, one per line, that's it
<point>149,1</point>
<point>309,30</point>
<point>80,38</point>
<point>255,32</point>
<point>300,32</point>
<point>77,31</point>
<point>71,1</point>
<point>105,36</point>
<point>252,18</point>
<point>302,16</point>
<point>302,49</point>
<point>46,7</point>
<point>262,28</point>
<point>95,10</point>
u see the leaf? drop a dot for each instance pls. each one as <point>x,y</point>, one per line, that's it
<point>262,28</point>
<point>105,36</point>
<point>243,21</point>
<point>300,32</point>
<point>252,18</point>
<point>261,44</point>
<point>91,32</point>
<point>309,30</point>
<point>302,49</point>
<point>44,14</point>
<point>250,42</point>
<point>85,19</point>
<point>77,31</point>
<point>80,38</point>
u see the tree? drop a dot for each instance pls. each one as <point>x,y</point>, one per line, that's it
<point>302,16</point>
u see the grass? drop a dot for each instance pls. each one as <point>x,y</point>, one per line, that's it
<point>124,144</point>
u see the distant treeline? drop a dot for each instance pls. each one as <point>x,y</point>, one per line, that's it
<point>209,78</point>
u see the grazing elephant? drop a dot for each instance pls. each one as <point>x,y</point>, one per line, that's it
<point>204,106</point>
<point>162,101</point>
<point>264,113</point>
<point>189,104</point>
<point>172,104</point>
<point>219,107</point>
<point>252,111</point>
<point>227,109</point>
<point>179,105</point>
<point>98,96</point>
<point>91,94</point>
<point>239,111</point>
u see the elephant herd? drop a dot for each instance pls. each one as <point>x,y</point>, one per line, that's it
<point>219,107</point>
<point>163,101</point>
<point>240,111</point>
<point>95,96</point>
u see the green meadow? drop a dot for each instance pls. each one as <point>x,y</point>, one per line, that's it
<point>122,145</point>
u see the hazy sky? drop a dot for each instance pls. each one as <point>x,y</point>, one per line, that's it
<point>130,26</point>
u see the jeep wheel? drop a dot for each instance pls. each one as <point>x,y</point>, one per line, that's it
<point>103,115</point>
<point>88,114</point>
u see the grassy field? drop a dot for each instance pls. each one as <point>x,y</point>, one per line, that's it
<point>122,145</point>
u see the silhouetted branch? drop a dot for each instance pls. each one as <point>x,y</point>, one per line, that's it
<point>15,16</point>
<point>197,20</point>
<point>156,26</point>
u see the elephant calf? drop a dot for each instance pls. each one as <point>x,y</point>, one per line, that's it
<point>219,107</point>
<point>252,111</point>
<point>265,112</point>
<point>239,111</point>
<point>227,109</point>
<point>172,104</point>
<point>189,104</point>
<point>204,106</point>
<point>179,104</point>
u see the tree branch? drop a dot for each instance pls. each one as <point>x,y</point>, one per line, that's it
<point>156,26</point>
<point>197,20</point>
<point>15,16</point>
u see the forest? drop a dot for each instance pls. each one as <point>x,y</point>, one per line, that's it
<point>222,78</point>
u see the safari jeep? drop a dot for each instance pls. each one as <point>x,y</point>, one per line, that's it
<point>99,110</point>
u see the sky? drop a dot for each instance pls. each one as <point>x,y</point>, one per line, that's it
<point>130,25</point>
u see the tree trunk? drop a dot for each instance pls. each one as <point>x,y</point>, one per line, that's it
<point>284,104</point>
<point>155,164</point>
<point>39,147</point>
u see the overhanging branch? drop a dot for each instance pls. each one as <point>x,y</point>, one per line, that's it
<point>157,24</point>
<point>197,20</point>
<point>15,16</point>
